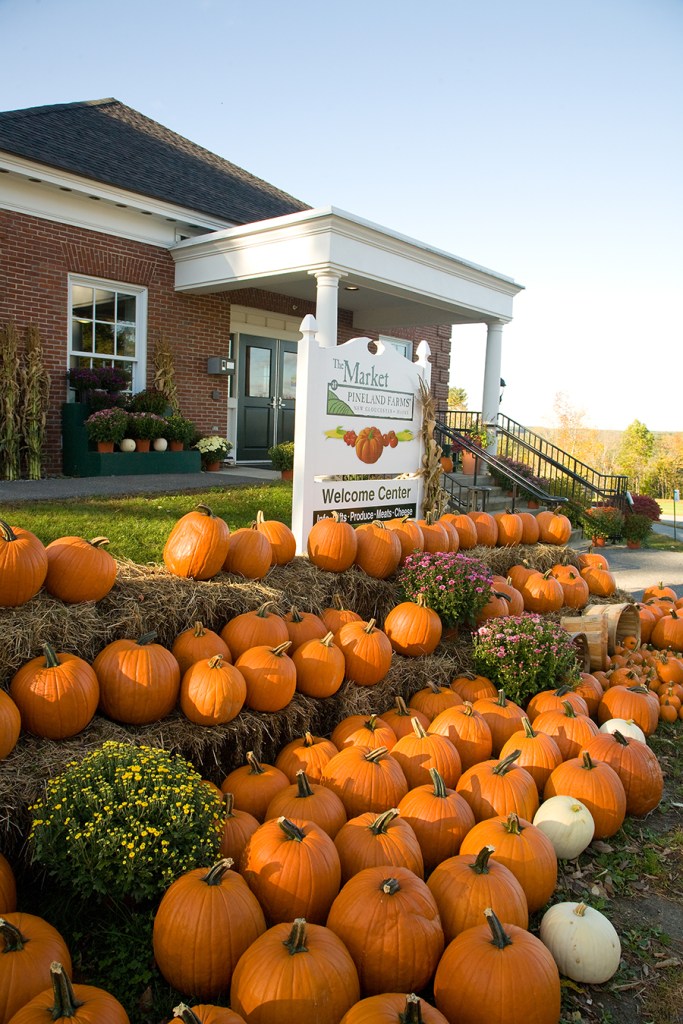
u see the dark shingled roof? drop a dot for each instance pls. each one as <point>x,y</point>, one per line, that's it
<point>109,142</point>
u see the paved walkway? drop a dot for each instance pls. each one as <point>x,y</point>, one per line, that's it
<point>634,570</point>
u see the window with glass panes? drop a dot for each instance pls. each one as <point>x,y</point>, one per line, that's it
<point>107,326</point>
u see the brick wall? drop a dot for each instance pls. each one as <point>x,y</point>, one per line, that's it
<point>37,256</point>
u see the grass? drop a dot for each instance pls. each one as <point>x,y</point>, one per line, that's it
<point>660,542</point>
<point>137,527</point>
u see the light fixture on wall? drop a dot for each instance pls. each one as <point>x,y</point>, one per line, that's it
<point>351,288</point>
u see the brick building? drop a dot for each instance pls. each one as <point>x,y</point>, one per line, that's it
<point>115,233</point>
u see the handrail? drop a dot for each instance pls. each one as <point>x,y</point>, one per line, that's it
<point>579,483</point>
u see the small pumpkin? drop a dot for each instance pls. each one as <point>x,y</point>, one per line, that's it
<point>270,676</point>
<point>196,644</point>
<point>282,540</point>
<point>303,626</point>
<point>378,550</point>
<point>212,692</point>
<point>309,752</point>
<point>567,823</point>
<point>254,785</point>
<point>554,527</point>
<point>370,839</point>
<point>320,667</point>
<point>583,942</point>
<point>249,553</point>
<point>413,628</point>
<point>439,817</point>
<point>253,629</point>
<point>367,652</point>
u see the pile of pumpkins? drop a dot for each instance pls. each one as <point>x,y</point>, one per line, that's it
<point>406,849</point>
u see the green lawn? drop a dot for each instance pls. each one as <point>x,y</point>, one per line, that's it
<point>137,527</point>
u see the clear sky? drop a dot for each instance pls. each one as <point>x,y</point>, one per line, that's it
<point>543,140</point>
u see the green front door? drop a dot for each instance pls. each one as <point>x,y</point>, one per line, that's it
<point>265,396</point>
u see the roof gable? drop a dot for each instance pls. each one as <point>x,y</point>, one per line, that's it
<point>106,141</point>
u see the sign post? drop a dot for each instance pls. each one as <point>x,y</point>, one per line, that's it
<point>358,443</point>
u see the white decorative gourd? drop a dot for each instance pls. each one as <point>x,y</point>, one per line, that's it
<point>127,445</point>
<point>567,823</point>
<point>626,726</point>
<point>583,942</point>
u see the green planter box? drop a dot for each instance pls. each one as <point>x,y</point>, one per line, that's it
<point>79,459</point>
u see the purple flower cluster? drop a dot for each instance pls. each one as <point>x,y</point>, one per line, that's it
<point>107,425</point>
<point>101,378</point>
<point>455,586</point>
<point>523,654</point>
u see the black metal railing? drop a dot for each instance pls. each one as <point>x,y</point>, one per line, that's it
<point>562,474</point>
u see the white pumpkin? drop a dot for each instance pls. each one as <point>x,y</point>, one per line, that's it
<point>583,942</point>
<point>568,824</point>
<point>626,726</point>
<point>127,445</point>
<point>160,444</point>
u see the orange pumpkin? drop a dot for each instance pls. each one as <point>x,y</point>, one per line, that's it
<point>400,716</point>
<point>364,731</point>
<point>79,570</point>
<point>282,540</point>
<point>413,628</point>
<point>197,545</point>
<point>365,779</point>
<point>56,694</point>
<point>270,676</point>
<point>196,644</point>
<point>308,801</point>
<point>254,785</point>
<point>30,945</point>
<point>409,534</point>
<point>486,527</point>
<point>8,888</point>
<point>539,753</point>
<point>249,553</point>
<point>596,785</point>
<point>467,530</point>
<point>434,534</point>
<point>367,652</point>
<point>510,528</point>
<point>369,444</point>
<point>337,615</point>
<point>10,725</point>
<point>530,528</point>
<point>310,753</point>
<point>320,667</point>
<point>636,765</point>
<point>554,527</point>
<point>419,751</point>
<point>498,787</point>
<point>212,692</point>
<point>254,629</point>
<point>139,680</point>
<point>332,544</point>
<point>370,839</point>
<point>378,550</point>
<point>439,817</point>
<point>238,826</point>
<point>23,565</point>
<point>467,730</point>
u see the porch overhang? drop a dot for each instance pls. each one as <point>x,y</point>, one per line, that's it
<point>386,279</point>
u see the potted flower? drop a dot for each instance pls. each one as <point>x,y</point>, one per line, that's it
<point>637,527</point>
<point>179,432</point>
<point>455,586</point>
<point>522,654</point>
<point>149,400</point>
<point>86,379</point>
<point>282,457</point>
<point>213,450</point>
<point>145,427</point>
<point>480,438</point>
<point>107,428</point>
<point>604,522</point>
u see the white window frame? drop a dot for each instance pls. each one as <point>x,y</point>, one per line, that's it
<point>138,365</point>
<point>402,345</point>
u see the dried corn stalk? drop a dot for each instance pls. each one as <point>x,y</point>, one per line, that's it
<point>10,436</point>
<point>164,373</point>
<point>435,499</point>
<point>35,400</point>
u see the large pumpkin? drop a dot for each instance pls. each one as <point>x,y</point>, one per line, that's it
<point>419,751</point>
<point>28,945</point>
<point>139,680</point>
<point>295,965</point>
<point>439,817</point>
<point>332,544</point>
<point>57,694</point>
<point>196,644</point>
<point>467,730</point>
<point>310,753</point>
<point>293,869</point>
<point>486,527</point>
<point>197,545</point>
<point>378,550</point>
<point>64,1002</point>
<point>413,628</point>
<point>308,801</point>
<point>498,787</point>
<point>596,785</point>
<point>409,534</point>
<point>23,565</point>
<point>637,766</point>
<point>270,676</point>
<point>253,629</point>
<point>490,968</point>
<point>365,779</point>
<point>554,527</point>
<point>320,667</point>
<point>249,553</point>
<point>367,652</point>
<point>370,839</point>
<point>393,1008</point>
<point>205,921</point>
<point>303,626</point>
<point>212,692</point>
<point>79,570</point>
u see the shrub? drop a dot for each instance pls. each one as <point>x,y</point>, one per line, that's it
<point>149,400</point>
<point>125,820</point>
<point>523,654</point>
<point>145,425</point>
<point>177,428</point>
<point>636,526</point>
<point>282,455</point>
<point>646,506</point>
<point>604,521</point>
<point>455,586</point>
<point>107,425</point>
<point>103,378</point>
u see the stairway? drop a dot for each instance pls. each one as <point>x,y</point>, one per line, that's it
<point>485,495</point>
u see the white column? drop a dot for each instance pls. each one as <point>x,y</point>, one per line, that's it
<point>491,395</point>
<point>327,305</point>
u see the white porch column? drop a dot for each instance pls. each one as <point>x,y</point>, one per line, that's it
<point>491,395</point>
<point>327,305</point>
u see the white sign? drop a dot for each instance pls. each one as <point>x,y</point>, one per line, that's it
<point>358,415</point>
<point>677,495</point>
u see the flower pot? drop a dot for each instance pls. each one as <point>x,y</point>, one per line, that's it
<point>175,446</point>
<point>531,503</point>
<point>450,633</point>
<point>142,444</point>
<point>598,542</point>
<point>287,474</point>
<point>160,444</point>
<point>633,544</point>
<point>468,461</point>
<point>105,446</point>
<point>212,467</point>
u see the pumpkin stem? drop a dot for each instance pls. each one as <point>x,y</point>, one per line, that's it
<point>568,709</point>
<point>7,532</point>
<point>499,937</point>
<point>309,739</point>
<point>295,615</point>
<point>580,909</point>
<point>186,1014</point>
<point>203,509</point>
<point>439,784</point>
<point>512,824</point>
<point>260,518</point>
<point>281,648</point>
<point>371,723</point>
<point>382,822</point>
<point>216,661</point>
<point>147,638</point>
<point>303,785</point>
<point>254,767</point>
<point>328,639</point>
<point>14,940</point>
<point>561,690</point>
<point>481,863</point>
<point>418,728</point>
<point>402,708</point>
<point>413,1011</point>
<point>468,708</point>
<point>529,733</point>
<point>296,940</point>
<point>51,659</point>
<point>215,874</point>
<point>338,603</point>
<point>587,761</point>
<point>506,764</point>
<point>434,687</point>
<point>98,542</point>
<point>66,1003</point>
<point>376,755</point>
<point>199,629</point>
<point>501,702</point>
<point>262,610</point>
<point>370,627</point>
<point>620,738</point>
<point>390,886</point>
<point>291,830</point>
<point>229,803</point>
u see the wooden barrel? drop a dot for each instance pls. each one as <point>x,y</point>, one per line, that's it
<point>583,654</point>
<point>622,620</point>
<point>594,629</point>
